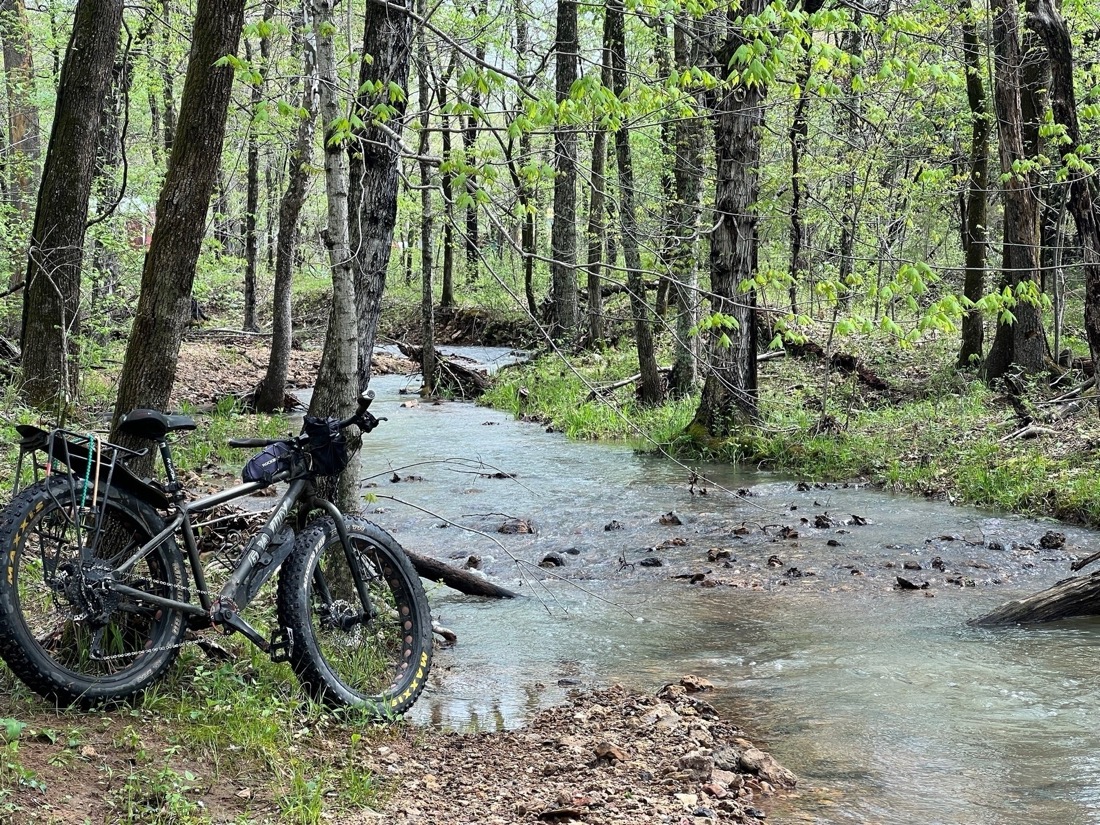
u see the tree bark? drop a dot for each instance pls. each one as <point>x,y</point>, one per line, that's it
<point>563,231</point>
<point>797,136</point>
<point>24,147</point>
<point>447,291</point>
<point>651,390</point>
<point>252,197</point>
<point>336,389</point>
<point>687,173</point>
<point>596,210</point>
<point>456,579</point>
<point>168,75</point>
<point>428,368</point>
<point>1044,18</point>
<point>730,397</point>
<point>1021,343</point>
<point>272,389</point>
<point>164,306</point>
<point>375,163</point>
<point>51,300</point>
<point>1076,596</point>
<point>975,219</point>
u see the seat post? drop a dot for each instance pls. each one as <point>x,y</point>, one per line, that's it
<point>173,487</point>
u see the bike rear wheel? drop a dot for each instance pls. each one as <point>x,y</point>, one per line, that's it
<point>374,656</point>
<point>63,629</point>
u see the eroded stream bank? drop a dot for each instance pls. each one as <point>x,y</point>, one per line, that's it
<point>888,707</point>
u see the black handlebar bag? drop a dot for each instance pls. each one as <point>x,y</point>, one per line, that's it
<point>327,448</point>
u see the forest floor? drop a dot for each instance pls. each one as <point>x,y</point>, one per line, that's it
<point>232,743</point>
<point>605,756</point>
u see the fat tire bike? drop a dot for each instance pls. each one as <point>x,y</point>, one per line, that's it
<point>101,580</point>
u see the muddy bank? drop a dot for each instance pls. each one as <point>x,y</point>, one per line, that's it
<point>605,756</point>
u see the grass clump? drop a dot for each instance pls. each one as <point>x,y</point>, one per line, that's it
<point>935,431</point>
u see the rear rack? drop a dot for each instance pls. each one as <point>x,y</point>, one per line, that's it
<point>90,460</point>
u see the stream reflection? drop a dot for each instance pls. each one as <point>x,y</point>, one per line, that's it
<point>888,707</point>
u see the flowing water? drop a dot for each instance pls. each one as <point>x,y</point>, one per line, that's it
<point>884,702</point>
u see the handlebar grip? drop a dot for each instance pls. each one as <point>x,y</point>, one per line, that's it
<point>253,442</point>
<point>364,402</point>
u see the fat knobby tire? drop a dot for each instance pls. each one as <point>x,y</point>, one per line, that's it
<point>380,665</point>
<point>46,637</point>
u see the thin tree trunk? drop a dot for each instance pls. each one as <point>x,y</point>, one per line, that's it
<point>797,136</point>
<point>271,392</point>
<point>1021,343</point>
<point>106,267</point>
<point>375,163</point>
<point>687,172</point>
<point>51,300</point>
<point>469,147</point>
<point>252,205</point>
<point>23,143</point>
<point>523,186</point>
<point>596,210</point>
<point>563,232</point>
<point>164,306</point>
<point>428,367</point>
<point>167,80</point>
<point>651,391</point>
<point>976,215</point>
<point>447,296</point>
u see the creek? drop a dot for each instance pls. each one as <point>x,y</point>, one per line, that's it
<point>888,707</point>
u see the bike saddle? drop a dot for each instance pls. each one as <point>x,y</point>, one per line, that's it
<point>153,424</point>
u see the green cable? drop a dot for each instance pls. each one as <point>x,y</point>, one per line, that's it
<point>87,471</point>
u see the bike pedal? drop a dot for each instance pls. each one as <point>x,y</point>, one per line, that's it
<point>282,640</point>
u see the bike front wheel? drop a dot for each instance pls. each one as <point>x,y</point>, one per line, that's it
<point>374,652</point>
<point>64,630</point>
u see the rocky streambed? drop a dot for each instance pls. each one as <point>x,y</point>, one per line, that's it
<point>601,757</point>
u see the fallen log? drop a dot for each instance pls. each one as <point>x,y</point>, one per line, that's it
<point>457,579</point>
<point>1075,596</point>
<point>454,376</point>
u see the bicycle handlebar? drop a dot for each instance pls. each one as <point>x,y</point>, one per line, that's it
<point>361,417</point>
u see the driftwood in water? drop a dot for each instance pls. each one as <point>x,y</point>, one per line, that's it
<point>457,579</point>
<point>1077,596</point>
<point>454,376</point>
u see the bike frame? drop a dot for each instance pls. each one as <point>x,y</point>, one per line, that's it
<point>256,565</point>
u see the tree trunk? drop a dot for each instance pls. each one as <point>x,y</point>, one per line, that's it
<point>563,231</point>
<point>1044,18</point>
<point>1021,343</point>
<point>523,186</point>
<point>272,390</point>
<point>106,267</point>
<point>428,367</point>
<point>375,163</point>
<point>687,173</point>
<point>168,76</point>
<point>469,148</point>
<point>51,300</point>
<point>23,144</point>
<point>729,397</point>
<point>596,210</point>
<point>336,388</point>
<point>651,391</point>
<point>252,205</point>
<point>447,296</point>
<point>797,137</point>
<point>976,215</point>
<point>164,306</point>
